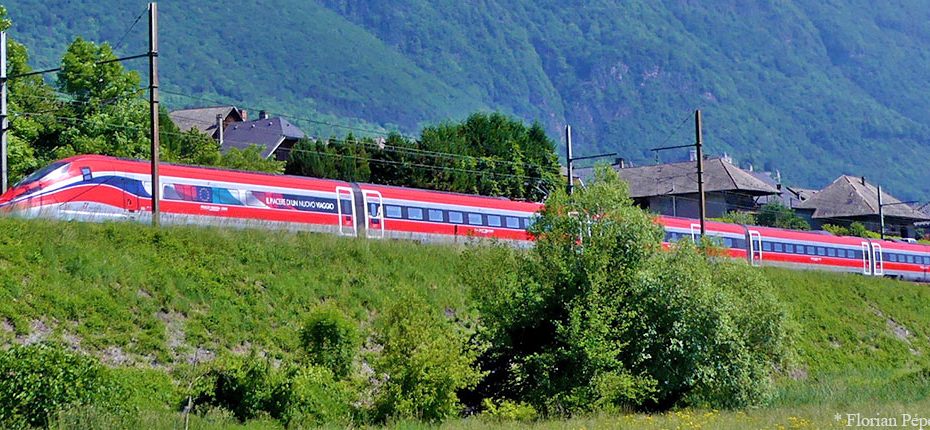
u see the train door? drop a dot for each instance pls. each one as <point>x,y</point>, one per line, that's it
<point>866,259</point>
<point>877,260</point>
<point>131,197</point>
<point>345,199</point>
<point>755,248</point>
<point>374,214</point>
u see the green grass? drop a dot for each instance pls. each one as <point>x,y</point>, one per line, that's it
<point>160,295</point>
<point>148,301</point>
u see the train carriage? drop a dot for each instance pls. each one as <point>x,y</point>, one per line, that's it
<point>95,188</point>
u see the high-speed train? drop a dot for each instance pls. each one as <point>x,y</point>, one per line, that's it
<point>96,188</point>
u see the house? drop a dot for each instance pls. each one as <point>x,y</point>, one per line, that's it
<point>275,136</point>
<point>205,119</point>
<point>852,199</point>
<point>672,188</point>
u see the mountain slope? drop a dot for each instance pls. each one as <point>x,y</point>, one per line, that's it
<point>812,88</point>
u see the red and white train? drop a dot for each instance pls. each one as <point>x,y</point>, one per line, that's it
<point>96,188</point>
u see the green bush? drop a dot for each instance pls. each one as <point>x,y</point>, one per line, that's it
<point>597,317</point>
<point>778,215</point>
<point>506,410</point>
<point>41,380</point>
<point>331,340</point>
<point>315,397</point>
<point>739,217</point>
<point>423,364</point>
<point>294,395</point>
<point>248,387</point>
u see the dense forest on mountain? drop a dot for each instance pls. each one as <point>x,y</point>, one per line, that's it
<point>814,89</point>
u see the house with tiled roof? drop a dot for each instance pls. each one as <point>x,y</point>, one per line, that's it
<point>672,188</point>
<point>853,199</point>
<point>275,136</point>
<point>205,119</point>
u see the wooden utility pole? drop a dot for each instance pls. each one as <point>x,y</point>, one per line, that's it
<point>700,167</point>
<point>568,158</point>
<point>881,214</point>
<point>153,106</point>
<point>4,123</point>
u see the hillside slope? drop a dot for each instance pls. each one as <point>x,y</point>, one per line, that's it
<point>810,88</point>
<point>153,297</point>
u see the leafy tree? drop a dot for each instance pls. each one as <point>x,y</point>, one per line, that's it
<point>595,316</point>
<point>250,159</point>
<point>424,363</point>
<point>331,340</point>
<point>739,217</point>
<point>778,215</point>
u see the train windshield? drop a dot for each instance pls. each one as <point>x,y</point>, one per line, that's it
<point>41,173</point>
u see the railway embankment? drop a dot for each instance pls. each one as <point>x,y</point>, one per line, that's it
<point>155,301</point>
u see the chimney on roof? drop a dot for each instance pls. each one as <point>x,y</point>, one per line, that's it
<point>778,176</point>
<point>863,180</point>
<point>244,114</point>
<point>219,129</point>
<point>621,163</point>
<point>692,155</point>
<point>750,167</point>
<point>726,157</point>
<point>262,115</point>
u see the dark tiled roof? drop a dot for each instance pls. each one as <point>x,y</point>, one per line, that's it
<point>267,133</point>
<point>681,178</point>
<point>848,196</point>
<point>202,119</point>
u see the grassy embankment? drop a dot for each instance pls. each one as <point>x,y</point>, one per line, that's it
<point>148,302</point>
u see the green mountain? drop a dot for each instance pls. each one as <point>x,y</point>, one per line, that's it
<point>812,88</point>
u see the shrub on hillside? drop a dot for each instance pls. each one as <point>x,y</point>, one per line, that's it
<point>596,316</point>
<point>331,340</point>
<point>295,395</point>
<point>39,381</point>
<point>248,387</point>
<point>314,398</point>
<point>423,364</point>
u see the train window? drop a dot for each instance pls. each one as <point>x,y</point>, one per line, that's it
<point>821,251</point>
<point>494,221</point>
<point>392,211</point>
<point>892,258</point>
<point>910,258</point>
<point>86,174</point>
<point>727,242</point>
<point>766,246</point>
<point>831,252</point>
<point>456,217</point>
<point>474,219</point>
<point>778,247</point>
<point>414,213</point>
<point>435,215</point>
<point>810,250</point>
<point>513,222</point>
<point>789,248</point>
<point>527,222</point>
